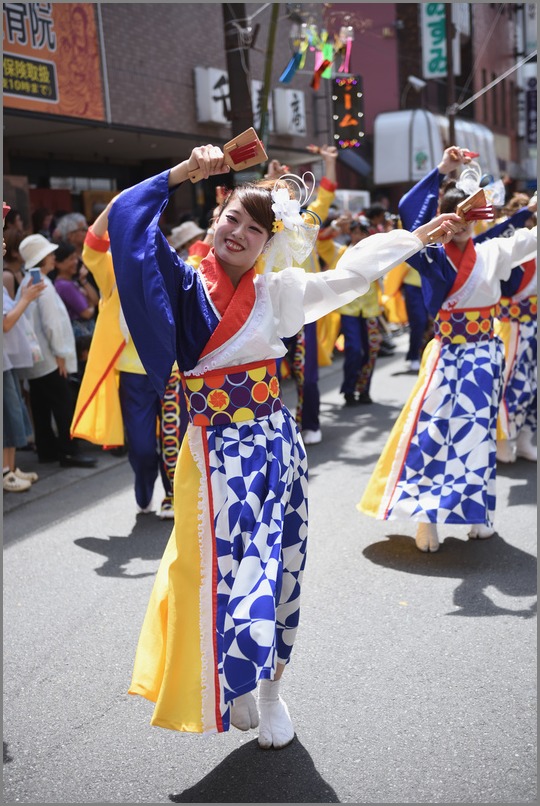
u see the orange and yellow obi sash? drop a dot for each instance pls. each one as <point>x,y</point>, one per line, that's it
<point>465,325</point>
<point>233,394</point>
<point>523,311</point>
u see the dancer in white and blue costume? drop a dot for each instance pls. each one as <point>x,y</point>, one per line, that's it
<point>224,609</point>
<point>517,326</point>
<point>438,465</point>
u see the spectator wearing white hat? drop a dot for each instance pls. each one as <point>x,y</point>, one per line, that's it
<point>184,236</point>
<point>50,394</point>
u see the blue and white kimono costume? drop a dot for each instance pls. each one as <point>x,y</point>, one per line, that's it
<point>439,463</point>
<point>517,327</point>
<point>225,604</point>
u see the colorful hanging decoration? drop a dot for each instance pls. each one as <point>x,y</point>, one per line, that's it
<point>288,74</point>
<point>344,46</point>
<point>306,37</point>
<point>318,72</point>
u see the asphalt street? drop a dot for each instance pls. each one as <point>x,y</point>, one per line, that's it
<point>413,679</point>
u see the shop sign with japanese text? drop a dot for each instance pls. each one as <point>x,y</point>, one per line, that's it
<point>51,59</point>
<point>213,97</point>
<point>290,112</point>
<point>433,32</point>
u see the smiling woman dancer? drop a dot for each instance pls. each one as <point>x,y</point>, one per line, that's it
<point>438,465</point>
<point>224,610</point>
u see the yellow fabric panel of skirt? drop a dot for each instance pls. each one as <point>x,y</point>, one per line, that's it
<point>508,332</point>
<point>385,475</point>
<point>168,669</point>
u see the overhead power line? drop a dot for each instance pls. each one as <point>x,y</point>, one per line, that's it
<point>459,107</point>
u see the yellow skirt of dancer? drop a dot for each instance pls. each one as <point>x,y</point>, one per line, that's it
<point>168,667</point>
<point>375,497</point>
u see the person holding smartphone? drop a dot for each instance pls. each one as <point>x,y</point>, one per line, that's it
<point>50,394</point>
<point>19,350</point>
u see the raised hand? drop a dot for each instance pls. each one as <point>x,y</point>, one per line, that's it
<point>207,161</point>
<point>440,229</point>
<point>453,158</point>
<point>276,169</point>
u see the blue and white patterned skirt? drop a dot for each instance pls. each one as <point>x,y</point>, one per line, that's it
<point>439,464</point>
<point>226,601</point>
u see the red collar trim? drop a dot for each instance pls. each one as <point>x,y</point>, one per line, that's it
<point>463,262</point>
<point>529,268</point>
<point>234,305</point>
<point>199,249</point>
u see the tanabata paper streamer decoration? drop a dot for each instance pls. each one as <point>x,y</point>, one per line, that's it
<point>345,64</point>
<point>328,54</point>
<point>318,72</point>
<point>325,53</point>
<point>288,74</point>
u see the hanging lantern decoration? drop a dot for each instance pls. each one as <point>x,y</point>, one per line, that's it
<point>348,111</point>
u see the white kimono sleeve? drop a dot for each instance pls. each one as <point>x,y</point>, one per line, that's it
<point>507,253</point>
<point>300,298</point>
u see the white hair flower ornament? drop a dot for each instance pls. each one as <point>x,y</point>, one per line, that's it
<point>286,209</point>
<point>471,179</point>
<point>295,227</point>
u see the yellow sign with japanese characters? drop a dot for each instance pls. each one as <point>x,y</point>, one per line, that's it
<point>51,59</point>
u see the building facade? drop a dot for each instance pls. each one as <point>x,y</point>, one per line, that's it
<point>98,96</point>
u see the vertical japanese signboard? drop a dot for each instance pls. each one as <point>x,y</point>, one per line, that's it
<point>213,98</point>
<point>289,112</point>
<point>212,95</point>
<point>433,31</point>
<point>348,111</point>
<point>433,25</point>
<point>51,59</point>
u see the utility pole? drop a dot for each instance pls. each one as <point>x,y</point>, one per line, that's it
<point>237,52</point>
<point>450,82</point>
<point>263,126</point>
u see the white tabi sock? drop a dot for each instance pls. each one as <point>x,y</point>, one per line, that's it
<point>427,538</point>
<point>525,446</point>
<point>480,530</point>
<point>244,713</point>
<point>276,728</point>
